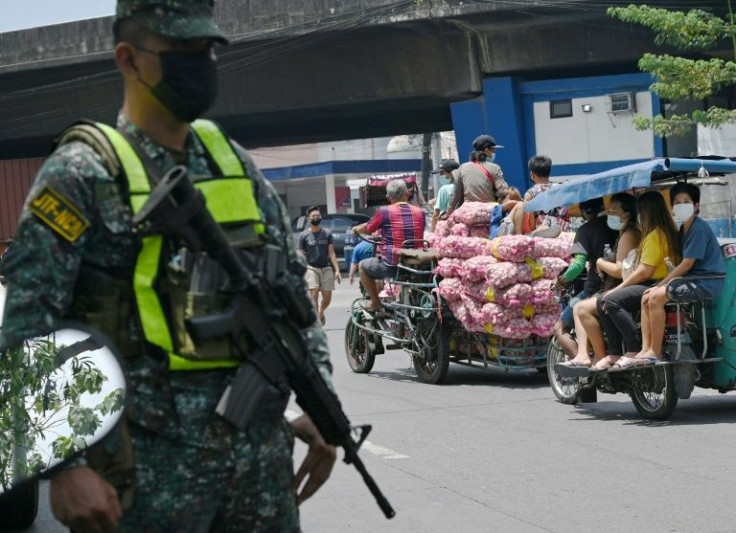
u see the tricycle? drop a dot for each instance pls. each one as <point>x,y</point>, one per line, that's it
<point>416,318</point>
<point>700,335</point>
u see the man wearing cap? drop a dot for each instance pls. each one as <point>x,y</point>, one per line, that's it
<point>481,180</point>
<point>175,465</point>
<point>447,170</point>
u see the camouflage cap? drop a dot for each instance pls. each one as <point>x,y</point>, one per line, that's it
<point>175,19</point>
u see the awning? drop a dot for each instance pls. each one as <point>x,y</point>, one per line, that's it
<point>623,179</point>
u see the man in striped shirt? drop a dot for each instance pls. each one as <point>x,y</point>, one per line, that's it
<point>397,223</point>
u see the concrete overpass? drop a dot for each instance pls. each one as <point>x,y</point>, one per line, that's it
<point>301,71</point>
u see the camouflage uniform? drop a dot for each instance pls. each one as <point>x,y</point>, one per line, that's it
<point>194,471</point>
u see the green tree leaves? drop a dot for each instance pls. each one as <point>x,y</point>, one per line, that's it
<point>39,398</point>
<point>680,77</point>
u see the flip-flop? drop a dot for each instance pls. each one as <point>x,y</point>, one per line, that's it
<point>594,368</point>
<point>622,364</point>
<point>635,362</point>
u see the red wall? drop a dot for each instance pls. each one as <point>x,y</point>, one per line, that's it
<point>16,176</point>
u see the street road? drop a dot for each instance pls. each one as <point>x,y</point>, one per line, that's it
<point>489,451</point>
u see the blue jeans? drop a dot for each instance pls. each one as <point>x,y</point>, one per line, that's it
<point>566,315</point>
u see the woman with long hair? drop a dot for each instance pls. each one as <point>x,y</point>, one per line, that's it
<point>621,217</point>
<point>616,307</point>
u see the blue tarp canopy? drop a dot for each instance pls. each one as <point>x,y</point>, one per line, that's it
<point>623,179</point>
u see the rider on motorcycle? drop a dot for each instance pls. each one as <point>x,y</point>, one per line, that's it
<point>397,223</point>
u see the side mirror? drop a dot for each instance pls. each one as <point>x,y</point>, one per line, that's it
<point>59,395</point>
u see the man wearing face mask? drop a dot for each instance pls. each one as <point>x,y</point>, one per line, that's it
<point>447,170</point>
<point>317,246</point>
<point>175,465</point>
<point>481,180</point>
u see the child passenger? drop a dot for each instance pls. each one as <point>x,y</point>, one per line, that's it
<point>701,256</point>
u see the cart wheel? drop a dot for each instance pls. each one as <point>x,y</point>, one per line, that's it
<point>433,343</point>
<point>653,392</point>
<point>358,349</point>
<point>566,389</point>
<point>19,509</point>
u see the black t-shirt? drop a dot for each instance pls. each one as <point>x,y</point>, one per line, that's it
<point>590,240</point>
<point>314,244</point>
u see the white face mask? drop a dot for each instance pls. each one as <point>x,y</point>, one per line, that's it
<point>614,222</point>
<point>683,212</point>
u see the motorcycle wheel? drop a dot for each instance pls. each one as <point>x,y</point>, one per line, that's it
<point>432,341</point>
<point>358,349</point>
<point>19,509</point>
<point>653,392</point>
<point>566,389</point>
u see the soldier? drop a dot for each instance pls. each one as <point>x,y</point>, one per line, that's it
<point>175,465</point>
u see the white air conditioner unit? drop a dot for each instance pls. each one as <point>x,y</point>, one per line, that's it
<point>622,103</point>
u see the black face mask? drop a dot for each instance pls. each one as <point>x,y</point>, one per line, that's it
<point>315,221</point>
<point>188,85</point>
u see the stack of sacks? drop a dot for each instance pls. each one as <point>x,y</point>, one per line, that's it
<point>506,286</point>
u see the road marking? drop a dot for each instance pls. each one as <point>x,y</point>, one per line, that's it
<point>380,451</point>
<point>375,449</point>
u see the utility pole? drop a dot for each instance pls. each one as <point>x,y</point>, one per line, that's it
<point>426,163</point>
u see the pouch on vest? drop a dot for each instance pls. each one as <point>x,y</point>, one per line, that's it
<point>193,284</point>
<point>106,303</point>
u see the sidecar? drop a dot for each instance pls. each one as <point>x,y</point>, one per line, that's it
<point>700,336</point>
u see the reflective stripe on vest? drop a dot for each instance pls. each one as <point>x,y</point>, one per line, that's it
<point>229,199</point>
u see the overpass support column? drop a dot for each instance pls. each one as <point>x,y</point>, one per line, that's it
<point>505,115</point>
<point>330,193</point>
<point>500,113</point>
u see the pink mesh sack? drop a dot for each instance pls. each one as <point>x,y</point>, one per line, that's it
<point>544,247</point>
<point>474,269</point>
<point>443,228</point>
<point>459,229</point>
<point>473,213</point>
<point>543,324</point>
<point>514,248</point>
<point>516,328</point>
<point>463,247</point>
<point>544,292</point>
<point>552,266</point>
<point>451,289</point>
<point>449,267</point>
<point>502,275</point>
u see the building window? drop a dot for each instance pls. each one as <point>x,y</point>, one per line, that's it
<point>560,109</point>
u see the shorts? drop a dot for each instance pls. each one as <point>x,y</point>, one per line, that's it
<point>684,291</point>
<point>322,279</point>
<point>377,269</point>
<point>566,315</point>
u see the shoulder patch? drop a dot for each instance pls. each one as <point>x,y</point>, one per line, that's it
<point>58,213</point>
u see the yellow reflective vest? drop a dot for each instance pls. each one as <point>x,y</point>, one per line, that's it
<point>230,200</point>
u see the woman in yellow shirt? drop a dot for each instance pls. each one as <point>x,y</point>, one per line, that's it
<point>616,307</point>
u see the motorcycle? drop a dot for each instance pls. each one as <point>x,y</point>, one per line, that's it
<point>700,336</point>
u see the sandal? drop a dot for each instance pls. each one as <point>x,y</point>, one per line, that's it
<point>627,363</point>
<point>602,366</point>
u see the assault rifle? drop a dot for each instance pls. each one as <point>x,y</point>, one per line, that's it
<point>265,309</point>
